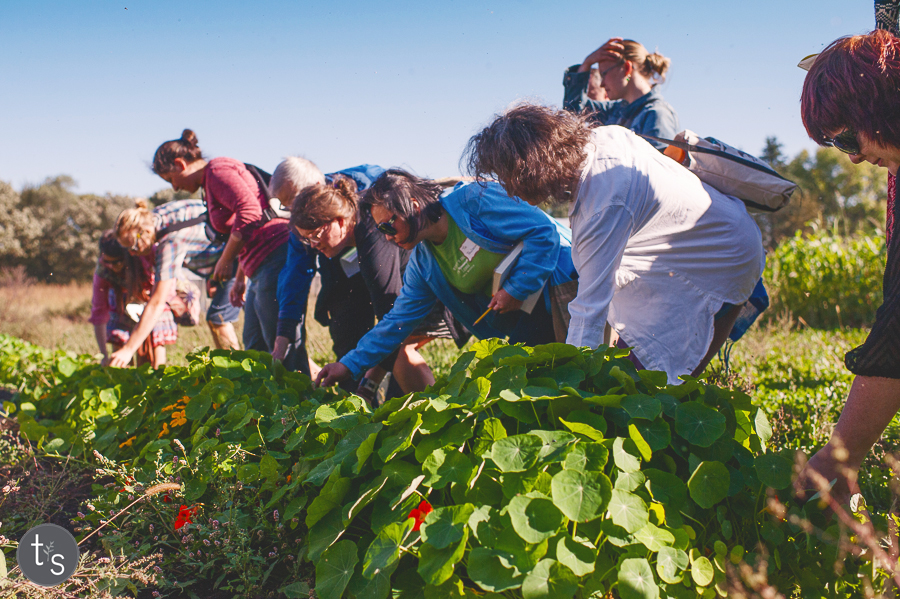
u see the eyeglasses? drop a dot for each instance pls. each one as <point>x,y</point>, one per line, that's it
<point>607,70</point>
<point>845,141</point>
<point>315,236</point>
<point>387,227</point>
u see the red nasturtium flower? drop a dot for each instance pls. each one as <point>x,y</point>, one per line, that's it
<point>184,516</point>
<point>419,513</point>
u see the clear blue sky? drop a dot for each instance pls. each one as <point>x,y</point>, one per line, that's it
<point>90,89</point>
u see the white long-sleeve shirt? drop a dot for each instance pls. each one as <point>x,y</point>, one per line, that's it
<point>657,252</point>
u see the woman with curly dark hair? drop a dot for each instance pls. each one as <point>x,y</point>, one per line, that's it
<point>847,103</point>
<point>667,260</point>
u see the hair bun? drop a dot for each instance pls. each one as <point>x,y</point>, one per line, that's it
<point>657,63</point>
<point>189,137</point>
<point>345,186</point>
<point>141,203</point>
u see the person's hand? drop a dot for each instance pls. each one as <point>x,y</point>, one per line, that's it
<point>237,292</point>
<point>121,358</point>
<point>503,302</point>
<point>828,465</point>
<point>222,271</point>
<point>605,56</point>
<point>280,349</point>
<point>105,360</point>
<point>331,374</point>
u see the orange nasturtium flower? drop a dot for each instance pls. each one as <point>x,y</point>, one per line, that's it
<point>164,431</point>
<point>419,513</point>
<point>127,443</point>
<point>172,407</point>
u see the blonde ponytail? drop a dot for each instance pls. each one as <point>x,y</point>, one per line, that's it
<point>136,226</point>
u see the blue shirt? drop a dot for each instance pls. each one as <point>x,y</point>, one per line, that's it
<point>496,223</point>
<point>300,267</point>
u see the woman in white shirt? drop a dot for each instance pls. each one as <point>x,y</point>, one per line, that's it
<point>664,258</point>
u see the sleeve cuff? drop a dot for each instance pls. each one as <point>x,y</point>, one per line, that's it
<point>287,327</point>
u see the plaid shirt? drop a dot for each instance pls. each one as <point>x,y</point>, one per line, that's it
<point>189,247</point>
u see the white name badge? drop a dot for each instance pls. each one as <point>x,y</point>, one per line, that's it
<point>468,249</point>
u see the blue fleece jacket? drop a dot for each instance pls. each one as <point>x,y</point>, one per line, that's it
<point>496,222</point>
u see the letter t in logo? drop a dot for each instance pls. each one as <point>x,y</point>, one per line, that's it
<point>37,550</point>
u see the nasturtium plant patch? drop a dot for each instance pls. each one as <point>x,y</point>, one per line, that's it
<point>551,471</point>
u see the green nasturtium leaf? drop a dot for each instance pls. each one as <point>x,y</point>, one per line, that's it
<point>656,433</point>
<point>384,551</point>
<point>331,497</point>
<point>489,432</point>
<point>629,481</point>
<point>198,407</point>
<point>670,562</point>
<point>443,467</point>
<point>709,484</point>
<point>580,428</point>
<point>699,424</point>
<point>635,435</point>
<point>579,557</point>
<point>625,455</point>
<point>517,453</point>
<point>436,565</point>
<point>493,570</point>
<point>666,488</point>
<point>773,470</point>
<point>628,511</point>
<point>702,571</point>
<point>636,580</point>
<point>762,426</point>
<point>335,569</point>
<point>586,457</point>
<point>654,538</point>
<point>446,525</point>
<point>581,496</point>
<point>535,519</point>
<point>554,444</point>
<point>549,580</point>
<point>642,406</point>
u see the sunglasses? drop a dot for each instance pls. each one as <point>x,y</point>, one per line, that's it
<point>315,236</point>
<point>845,141</point>
<point>387,227</point>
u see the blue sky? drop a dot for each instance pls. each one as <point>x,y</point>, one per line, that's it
<point>90,89</point>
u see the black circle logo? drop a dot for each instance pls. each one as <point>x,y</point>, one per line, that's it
<point>48,555</point>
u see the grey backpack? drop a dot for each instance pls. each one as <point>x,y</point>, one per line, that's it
<point>732,171</point>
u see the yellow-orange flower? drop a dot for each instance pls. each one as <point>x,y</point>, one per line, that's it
<point>172,407</point>
<point>164,431</point>
<point>127,443</point>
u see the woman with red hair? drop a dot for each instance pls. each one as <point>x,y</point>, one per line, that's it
<point>850,101</point>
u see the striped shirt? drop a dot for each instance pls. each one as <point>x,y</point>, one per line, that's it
<point>188,247</point>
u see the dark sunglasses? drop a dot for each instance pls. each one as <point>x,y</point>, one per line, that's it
<point>845,141</point>
<point>387,227</point>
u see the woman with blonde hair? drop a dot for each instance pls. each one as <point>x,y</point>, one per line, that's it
<point>175,236</point>
<point>121,279</point>
<point>630,75</point>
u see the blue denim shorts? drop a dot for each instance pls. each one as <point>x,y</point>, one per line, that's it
<point>220,310</point>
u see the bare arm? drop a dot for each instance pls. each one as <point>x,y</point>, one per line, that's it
<point>604,56</point>
<point>152,312</point>
<point>871,405</point>
<point>232,249</point>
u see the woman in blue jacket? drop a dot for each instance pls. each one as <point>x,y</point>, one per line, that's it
<point>630,75</point>
<point>457,241</point>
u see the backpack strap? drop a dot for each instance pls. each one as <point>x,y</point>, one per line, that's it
<point>197,220</point>
<point>262,180</point>
<point>719,153</point>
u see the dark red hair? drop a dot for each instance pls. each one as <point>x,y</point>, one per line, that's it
<point>855,84</point>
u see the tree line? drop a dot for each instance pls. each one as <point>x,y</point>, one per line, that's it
<point>51,231</point>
